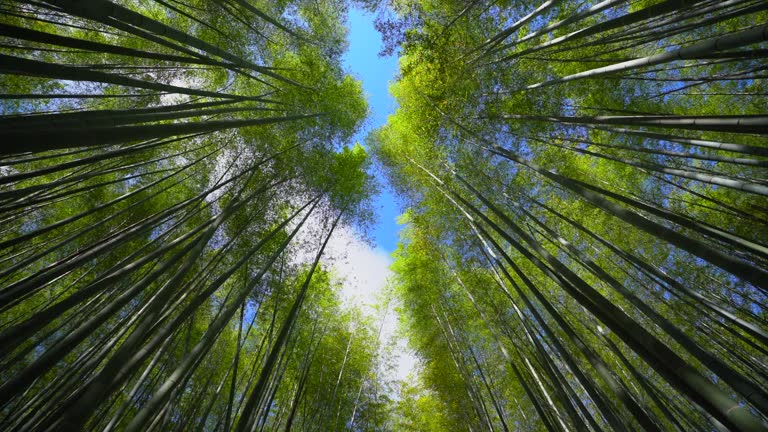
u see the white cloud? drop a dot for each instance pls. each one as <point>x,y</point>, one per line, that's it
<point>406,361</point>
<point>363,271</point>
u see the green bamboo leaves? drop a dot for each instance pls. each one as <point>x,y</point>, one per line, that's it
<point>580,230</point>
<point>158,163</point>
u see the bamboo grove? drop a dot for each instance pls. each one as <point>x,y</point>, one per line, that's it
<point>585,241</point>
<point>165,167</point>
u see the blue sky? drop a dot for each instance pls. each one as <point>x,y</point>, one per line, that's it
<point>365,270</point>
<point>363,62</point>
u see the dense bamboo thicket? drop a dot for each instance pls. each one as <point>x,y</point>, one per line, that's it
<point>161,161</point>
<point>586,236</point>
<point>585,241</point>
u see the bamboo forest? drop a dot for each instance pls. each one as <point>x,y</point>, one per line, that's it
<point>580,240</point>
